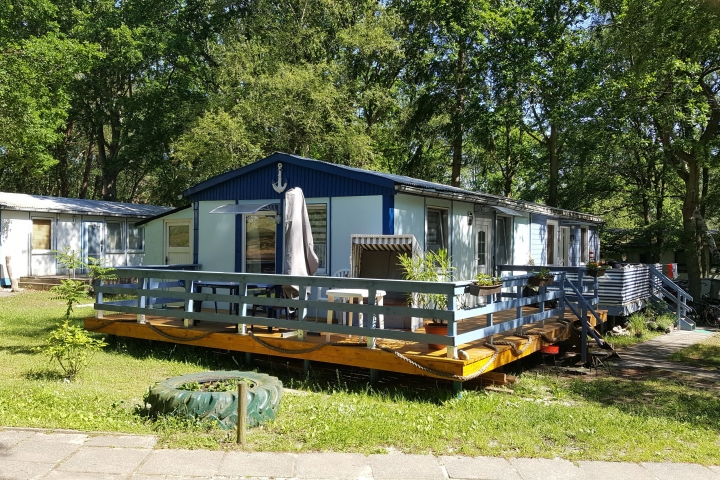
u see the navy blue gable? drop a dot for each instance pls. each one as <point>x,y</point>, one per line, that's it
<point>315,178</point>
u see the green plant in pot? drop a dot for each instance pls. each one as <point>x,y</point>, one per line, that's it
<point>594,269</point>
<point>484,284</point>
<point>542,278</point>
<point>430,267</point>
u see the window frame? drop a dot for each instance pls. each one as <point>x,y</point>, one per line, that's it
<point>556,230</point>
<point>445,235</point>
<point>584,245</point>
<point>108,249</point>
<point>323,261</point>
<point>34,250</point>
<point>142,248</point>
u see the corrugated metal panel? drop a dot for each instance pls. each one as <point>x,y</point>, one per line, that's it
<point>77,206</point>
<point>627,288</point>
<point>258,185</point>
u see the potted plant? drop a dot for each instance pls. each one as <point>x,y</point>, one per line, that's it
<point>594,269</point>
<point>430,267</point>
<point>542,278</point>
<point>484,284</point>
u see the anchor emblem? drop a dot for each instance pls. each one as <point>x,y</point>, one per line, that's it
<point>279,187</point>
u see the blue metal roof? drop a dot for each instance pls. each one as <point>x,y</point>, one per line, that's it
<point>77,206</point>
<point>322,179</point>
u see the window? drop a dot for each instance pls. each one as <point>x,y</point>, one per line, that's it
<point>550,243</point>
<point>318,225</point>
<point>481,248</point>
<point>179,236</point>
<point>503,256</point>
<point>437,230</point>
<point>41,234</point>
<point>114,240</point>
<point>136,238</point>
<point>584,258</point>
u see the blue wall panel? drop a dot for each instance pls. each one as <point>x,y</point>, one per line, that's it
<point>257,184</point>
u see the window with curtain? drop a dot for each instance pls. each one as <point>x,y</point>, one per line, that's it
<point>114,240</point>
<point>318,225</point>
<point>584,257</point>
<point>136,238</point>
<point>437,230</point>
<point>551,235</point>
<point>41,234</point>
<point>504,241</point>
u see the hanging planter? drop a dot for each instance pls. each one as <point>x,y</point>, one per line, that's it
<point>595,273</point>
<point>540,281</point>
<point>482,290</point>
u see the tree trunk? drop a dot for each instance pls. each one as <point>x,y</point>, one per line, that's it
<point>457,128</point>
<point>691,232</point>
<point>552,145</point>
<point>86,172</point>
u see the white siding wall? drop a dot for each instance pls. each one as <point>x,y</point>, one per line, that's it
<point>351,215</point>
<point>462,241</point>
<point>521,240</point>
<point>537,239</point>
<point>410,217</point>
<point>216,252</point>
<point>15,230</point>
<point>154,241</point>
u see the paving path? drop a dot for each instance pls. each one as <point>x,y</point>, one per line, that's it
<point>62,455</point>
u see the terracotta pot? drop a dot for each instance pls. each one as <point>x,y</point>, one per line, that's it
<point>436,329</point>
<point>595,273</point>
<point>479,290</point>
<point>539,282</point>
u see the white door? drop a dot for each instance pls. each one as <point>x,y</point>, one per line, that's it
<point>483,247</point>
<point>93,240</point>
<point>178,242</point>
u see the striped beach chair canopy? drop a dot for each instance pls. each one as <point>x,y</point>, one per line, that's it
<point>380,243</point>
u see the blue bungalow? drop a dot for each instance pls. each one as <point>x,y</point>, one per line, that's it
<point>479,230</point>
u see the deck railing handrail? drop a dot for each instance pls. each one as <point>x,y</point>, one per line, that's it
<point>681,297</point>
<point>160,287</point>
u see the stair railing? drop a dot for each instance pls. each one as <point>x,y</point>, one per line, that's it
<point>659,283</point>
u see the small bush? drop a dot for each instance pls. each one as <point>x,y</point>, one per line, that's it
<point>665,321</point>
<point>72,347</point>
<point>71,292</point>
<point>636,323</point>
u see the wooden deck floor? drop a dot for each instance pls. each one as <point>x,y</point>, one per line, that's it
<point>345,350</point>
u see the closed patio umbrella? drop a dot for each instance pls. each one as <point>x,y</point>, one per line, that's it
<point>300,257</point>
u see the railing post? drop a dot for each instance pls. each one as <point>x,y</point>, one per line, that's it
<point>518,309</point>
<point>141,298</point>
<point>372,293</point>
<point>99,299</point>
<point>452,326</point>
<point>189,303</point>
<point>583,319</point>
<point>242,307</point>
<point>561,301</point>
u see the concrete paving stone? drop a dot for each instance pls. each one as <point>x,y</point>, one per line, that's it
<point>614,471</point>
<point>715,468</point>
<point>686,471</point>
<point>56,475</point>
<point>8,438</point>
<point>57,437</point>
<point>126,441</point>
<point>20,470</point>
<point>332,465</point>
<point>480,468</point>
<point>116,461</point>
<point>546,469</point>
<point>44,451</point>
<point>399,466</point>
<point>182,462</point>
<point>260,464</point>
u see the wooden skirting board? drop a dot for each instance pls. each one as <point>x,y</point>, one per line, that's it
<point>343,351</point>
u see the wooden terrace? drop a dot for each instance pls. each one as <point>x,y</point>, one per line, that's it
<point>481,337</point>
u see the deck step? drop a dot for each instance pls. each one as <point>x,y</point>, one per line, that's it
<point>686,324</point>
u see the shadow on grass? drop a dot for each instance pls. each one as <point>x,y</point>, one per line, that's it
<point>657,394</point>
<point>322,377</point>
<point>20,349</point>
<point>45,374</point>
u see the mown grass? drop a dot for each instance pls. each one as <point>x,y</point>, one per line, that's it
<point>589,418</point>
<point>705,354</point>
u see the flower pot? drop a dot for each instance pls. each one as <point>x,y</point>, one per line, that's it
<point>539,282</point>
<point>479,290</point>
<point>436,329</point>
<point>550,349</point>
<point>595,273</point>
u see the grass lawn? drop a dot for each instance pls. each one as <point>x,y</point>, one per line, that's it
<point>626,415</point>
<point>705,354</point>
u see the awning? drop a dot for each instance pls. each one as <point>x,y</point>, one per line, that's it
<point>244,208</point>
<point>508,211</point>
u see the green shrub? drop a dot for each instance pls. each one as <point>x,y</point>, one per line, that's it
<point>665,321</point>
<point>71,292</point>
<point>72,347</point>
<point>636,323</point>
